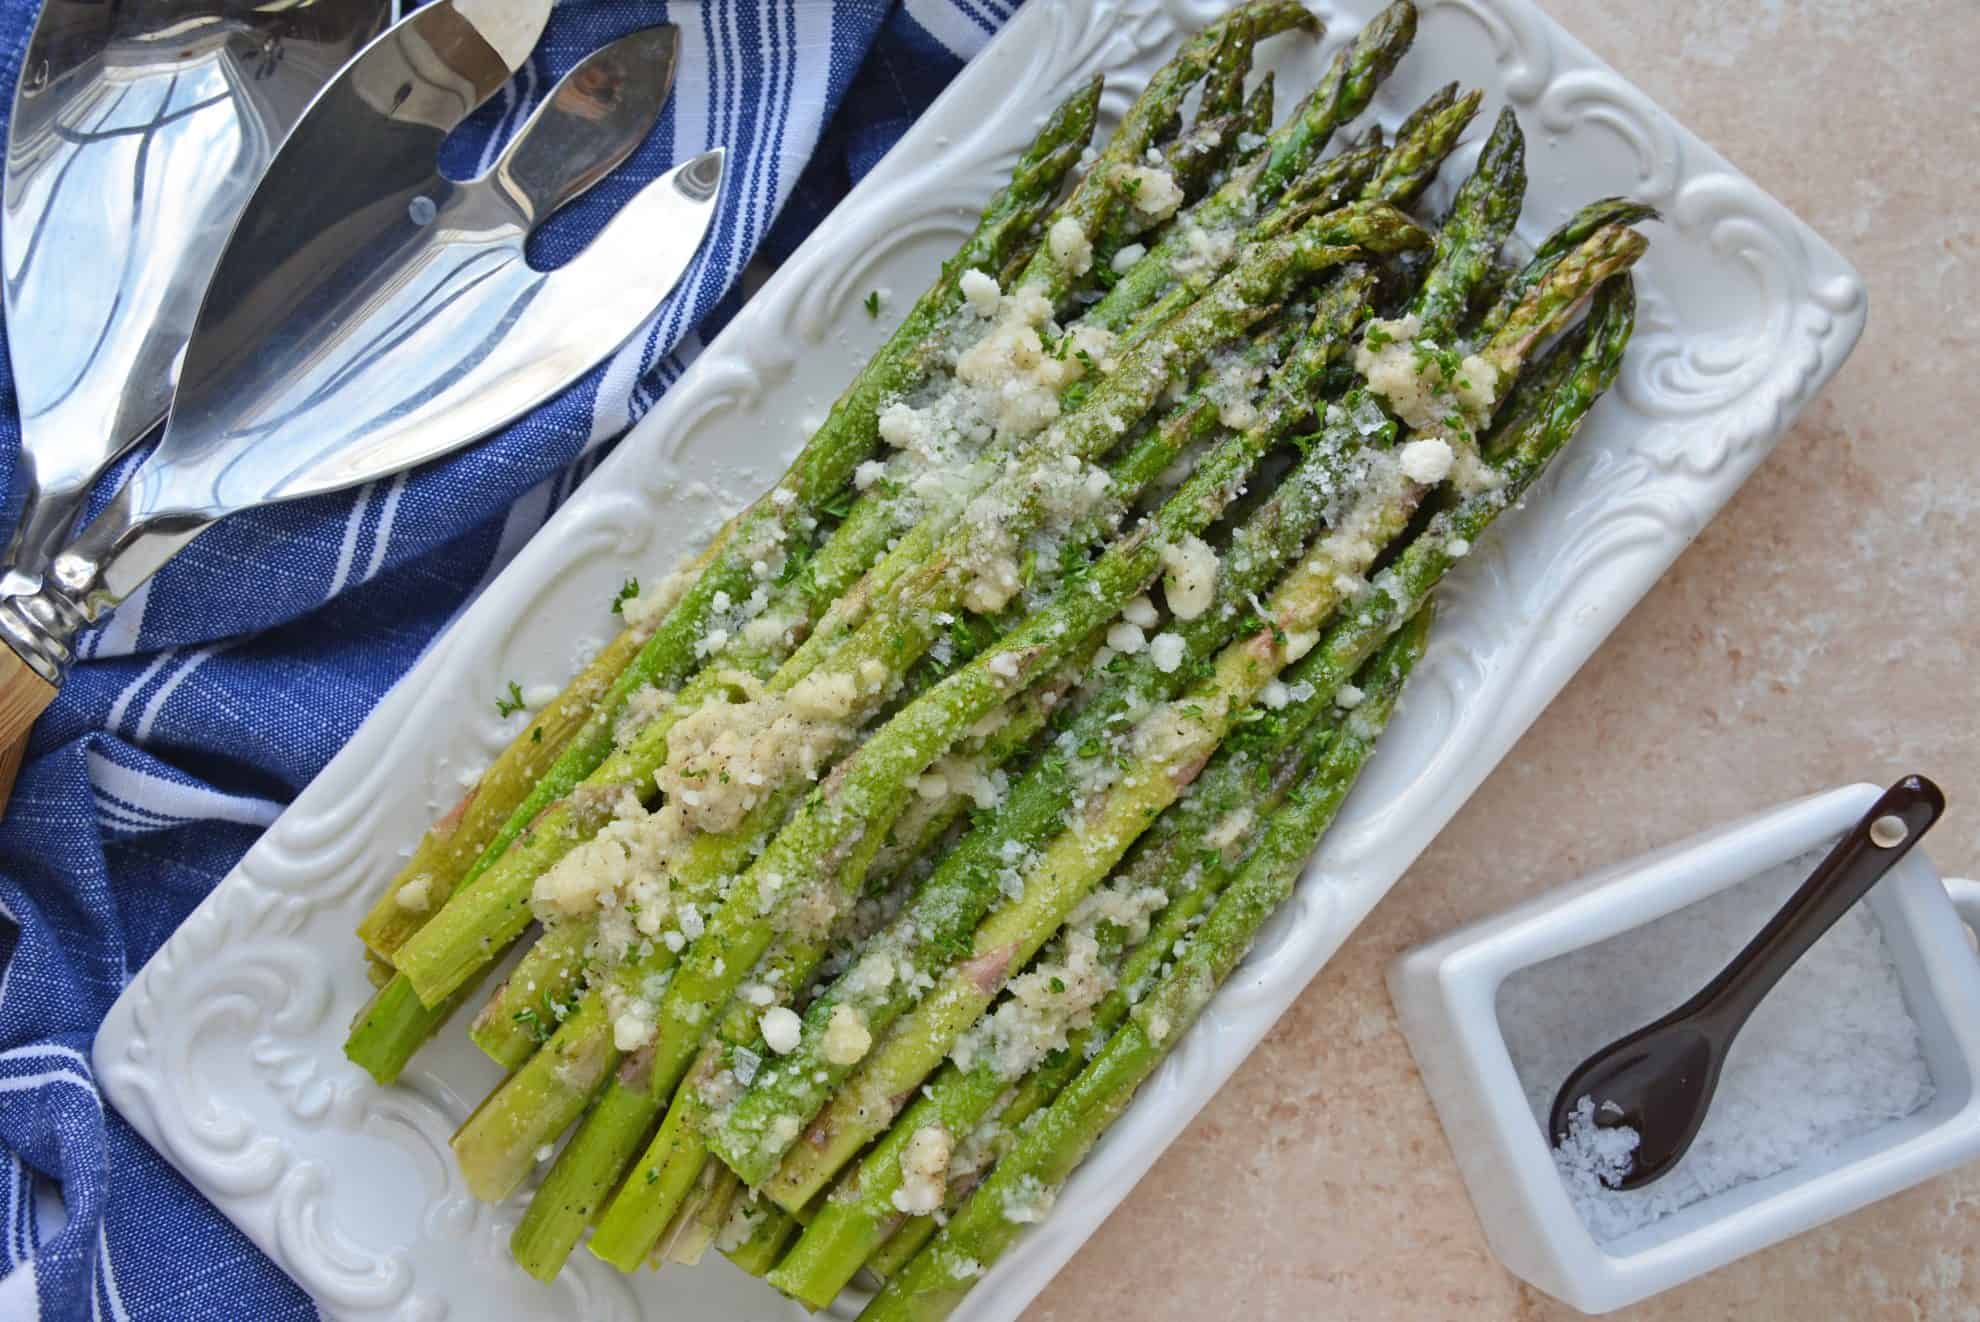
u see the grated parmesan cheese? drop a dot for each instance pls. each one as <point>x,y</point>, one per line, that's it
<point>1190,581</point>
<point>1141,612</point>
<point>631,1031</point>
<point>981,292</point>
<point>1426,461</point>
<point>1155,193</point>
<point>1070,246</point>
<point>847,1038</point>
<point>416,896</point>
<point>1029,1202</point>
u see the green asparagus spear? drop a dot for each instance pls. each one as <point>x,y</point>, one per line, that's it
<point>1051,1146</point>
<point>1186,858</point>
<point>1343,92</point>
<point>453,843</point>
<point>1172,742</point>
<point>752,1129</point>
<point>675,1161</point>
<point>1480,221</point>
<point>483,918</point>
<point>393,1024</point>
<point>401,1021</point>
<point>1023,1182</point>
<point>1533,397</point>
<point>514,1023</point>
<point>763,1231</point>
<point>937,923</point>
<point>703,1218</point>
<point>832,838</point>
<point>496,1146</point>
<point>749,1139</point>
<point>1572,232</point>
<point>825,465</point>
<point>1395,177</point>
<point>1100,195</point>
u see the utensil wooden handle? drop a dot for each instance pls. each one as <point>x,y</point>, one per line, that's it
<point>24,695</point>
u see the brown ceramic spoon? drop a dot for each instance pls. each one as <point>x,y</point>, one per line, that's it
<point>1659,1080</point>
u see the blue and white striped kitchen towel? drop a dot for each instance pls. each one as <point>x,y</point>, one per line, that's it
<point>215,695</point>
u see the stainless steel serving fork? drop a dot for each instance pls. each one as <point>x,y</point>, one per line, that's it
<point>369,314</point>
<point>138,131</point>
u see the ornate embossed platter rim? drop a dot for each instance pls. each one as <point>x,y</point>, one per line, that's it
<point>223,1052</point>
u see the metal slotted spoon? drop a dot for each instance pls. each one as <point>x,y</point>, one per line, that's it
<point>369,314</point>
<point>138,131</point>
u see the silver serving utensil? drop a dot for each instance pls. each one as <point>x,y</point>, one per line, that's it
<point>368,314</point>
<point>138,131</point>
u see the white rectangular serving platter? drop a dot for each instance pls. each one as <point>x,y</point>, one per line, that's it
<point>224,1052</point>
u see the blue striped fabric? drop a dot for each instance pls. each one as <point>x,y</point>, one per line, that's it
<point>200,709</point>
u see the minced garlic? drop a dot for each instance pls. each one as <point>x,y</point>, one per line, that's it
<point>1070,246</point>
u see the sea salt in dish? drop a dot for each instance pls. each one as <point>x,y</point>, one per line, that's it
<point>1489,1068</point>
<point>1831,1054</point>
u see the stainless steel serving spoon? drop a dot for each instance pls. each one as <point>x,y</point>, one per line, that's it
<point>369,314</point>
<point>138,131</point>
<point>1660,1079</point>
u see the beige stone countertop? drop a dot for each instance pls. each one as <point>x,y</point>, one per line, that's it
<point>1821,631</point>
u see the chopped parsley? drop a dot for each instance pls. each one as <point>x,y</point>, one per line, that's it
<point>962,638</point>
<point>873,305</point>
<point>794,562</point>
<point>627,591</point>
<point>512,702</point>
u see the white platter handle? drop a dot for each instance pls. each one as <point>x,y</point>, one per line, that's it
<point>1966,898</point>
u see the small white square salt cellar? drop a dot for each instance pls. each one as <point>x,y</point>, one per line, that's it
<point>1860,1075</point>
